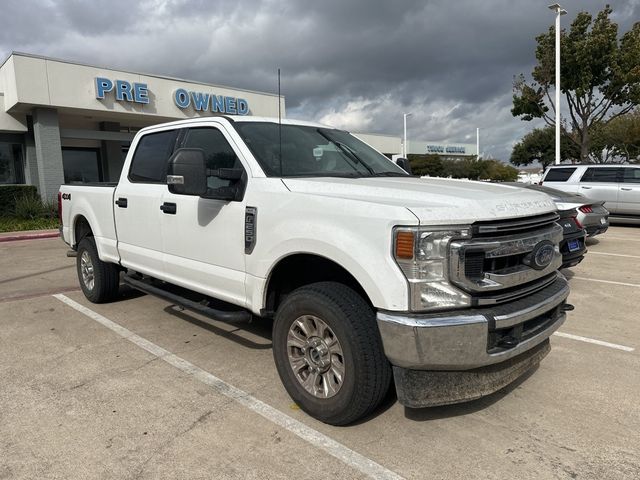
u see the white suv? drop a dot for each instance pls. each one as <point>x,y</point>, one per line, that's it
<point>617,185</point>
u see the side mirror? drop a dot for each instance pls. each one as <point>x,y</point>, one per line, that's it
<point>186,174</point>
<point>404,164</point>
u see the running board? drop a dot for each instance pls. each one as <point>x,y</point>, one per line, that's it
<point>220,315</point>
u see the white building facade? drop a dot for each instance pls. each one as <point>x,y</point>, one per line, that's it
<point>63,121</point>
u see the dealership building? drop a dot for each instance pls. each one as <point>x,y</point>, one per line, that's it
<point>62,121</point>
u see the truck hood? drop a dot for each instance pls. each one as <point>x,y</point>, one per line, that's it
<point>431,200</point>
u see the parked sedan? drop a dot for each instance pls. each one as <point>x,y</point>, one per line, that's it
<point>591,215</point>
<point>573,245</point>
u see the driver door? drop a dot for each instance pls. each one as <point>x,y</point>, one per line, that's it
<point>203,238</point>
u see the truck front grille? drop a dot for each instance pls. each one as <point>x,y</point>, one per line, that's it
<point>494,265</point>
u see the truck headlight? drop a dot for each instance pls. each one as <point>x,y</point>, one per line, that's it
<point>423,255</point>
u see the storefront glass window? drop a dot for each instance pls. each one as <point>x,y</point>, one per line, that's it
<point>11,170</point>
<point>81,165</point>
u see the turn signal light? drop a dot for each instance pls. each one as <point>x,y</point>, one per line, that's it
<point>586,209</point>
<point>404,245</point>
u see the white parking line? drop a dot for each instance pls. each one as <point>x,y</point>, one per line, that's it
<point>614,254</point>
<point>317,439</point>
<point>597,342</point>
<point>622,238</point>
<point>606,281</point>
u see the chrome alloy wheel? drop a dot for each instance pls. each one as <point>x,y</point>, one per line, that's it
<point>86,268</point>
<point>315,355</point>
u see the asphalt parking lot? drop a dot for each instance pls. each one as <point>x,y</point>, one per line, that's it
<point>140,389</point>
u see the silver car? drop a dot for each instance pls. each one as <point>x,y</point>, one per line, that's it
<point>592,216</point>
<point>618,186</point>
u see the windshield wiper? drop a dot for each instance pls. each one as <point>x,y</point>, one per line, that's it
<point>347,150</point>
<point>391,174</point>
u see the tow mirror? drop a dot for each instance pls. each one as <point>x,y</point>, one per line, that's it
<point>404,164</point>
<point>186,174</point>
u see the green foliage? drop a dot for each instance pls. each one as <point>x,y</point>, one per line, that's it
<point>426,165</point>
<point>621,136</point>
<point>600,76</point>
<point>30,207</point>
<point>539,146</point>
<point>13,224</point>
<point>9,194</point>
<point>471,168</point>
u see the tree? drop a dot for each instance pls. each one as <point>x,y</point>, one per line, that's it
<point>600,76</point>
<point>471,168</point>
<point>539,146</point>
<point>622,136</point>
<point>427,165</point>
<point>500,172</point>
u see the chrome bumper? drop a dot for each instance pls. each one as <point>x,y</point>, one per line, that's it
<point>463,340</point>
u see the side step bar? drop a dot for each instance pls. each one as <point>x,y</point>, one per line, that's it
<point>220,315</point>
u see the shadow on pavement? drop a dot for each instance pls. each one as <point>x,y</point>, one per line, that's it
<point>259,327</point>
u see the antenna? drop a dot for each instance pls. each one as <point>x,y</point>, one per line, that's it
<point>279,124</point>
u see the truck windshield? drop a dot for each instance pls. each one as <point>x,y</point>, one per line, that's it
<point>302,151</point>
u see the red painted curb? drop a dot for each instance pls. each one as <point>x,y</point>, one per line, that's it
<point>28,236</point>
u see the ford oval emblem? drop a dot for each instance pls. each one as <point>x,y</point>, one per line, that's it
<point>542,255</point>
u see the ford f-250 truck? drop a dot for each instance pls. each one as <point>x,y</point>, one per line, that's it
<point>448,287</point>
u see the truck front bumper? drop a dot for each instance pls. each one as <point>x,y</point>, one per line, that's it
<point>478,350</point>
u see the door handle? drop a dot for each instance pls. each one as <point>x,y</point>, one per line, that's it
<point>121,202</point>
<point>169,208</point>
<point>586,188</point>
<point>626,189</point>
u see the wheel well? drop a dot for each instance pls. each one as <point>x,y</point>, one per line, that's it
<point>81,229</point>
<point>298,270</point>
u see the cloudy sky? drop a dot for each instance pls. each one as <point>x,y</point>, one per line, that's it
<point>355,64</point>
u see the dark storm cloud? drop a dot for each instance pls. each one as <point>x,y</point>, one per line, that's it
<point>357,64</point>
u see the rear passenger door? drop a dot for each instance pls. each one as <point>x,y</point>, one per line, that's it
<point>629,194</point>
<point>138,198</point>
<point>559,178</point>
<point>204,237</point>
<point>601,183</point>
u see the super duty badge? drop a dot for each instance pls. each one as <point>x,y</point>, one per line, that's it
<point>250,217</point>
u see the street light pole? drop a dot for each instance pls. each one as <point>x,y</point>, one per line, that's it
<point>404,142</point>
<point>559,12</point>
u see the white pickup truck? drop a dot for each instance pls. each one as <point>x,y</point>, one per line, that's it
<point>449,287</point>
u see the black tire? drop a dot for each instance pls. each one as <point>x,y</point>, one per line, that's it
<point>106,276</point>
<point>367,372</point>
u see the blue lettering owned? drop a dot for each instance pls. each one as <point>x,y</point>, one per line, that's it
<point>181,98</point>
<point>217,103</point>
<point>230,105</point>
<point>200,100</point>
<point>243,107</point>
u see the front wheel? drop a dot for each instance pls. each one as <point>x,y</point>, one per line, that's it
<point>329,354</point>
<point>100,281</point>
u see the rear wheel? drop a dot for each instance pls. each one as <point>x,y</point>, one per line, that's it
<point>100,281</point>
<point>329,354</point>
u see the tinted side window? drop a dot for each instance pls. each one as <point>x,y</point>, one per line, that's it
<point>600,175</point>
<point>149,164</point>
<point>559,174</point>
<point>631,175</point>
<point>217,152</point>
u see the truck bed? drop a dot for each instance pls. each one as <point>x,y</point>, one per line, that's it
<point>93,203</point>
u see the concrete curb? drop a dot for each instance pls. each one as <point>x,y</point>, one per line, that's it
<point>11,237</point>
